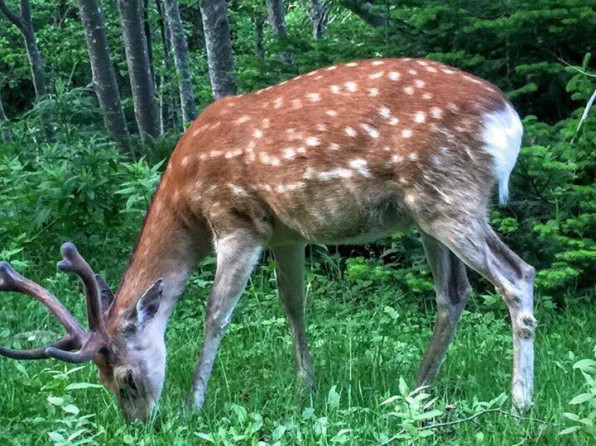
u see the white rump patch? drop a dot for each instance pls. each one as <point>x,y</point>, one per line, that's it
<point>502,136</point>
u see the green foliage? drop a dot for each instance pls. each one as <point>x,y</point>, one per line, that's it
<point>584,420</point>
<point>84,191</point>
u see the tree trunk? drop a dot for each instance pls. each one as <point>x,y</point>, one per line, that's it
<point>277,17</point>
<point>259,47</point>
<point>6,133</point>
<point>104,76</point>
<point>180,50</point>
<point>219,47</point>
<point>139,68</point>
<point>147,30</point>
<point>24,23</point>
<point>317,18</point>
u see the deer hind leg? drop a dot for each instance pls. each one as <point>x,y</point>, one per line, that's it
<point>479,247</point>
<point>289,269</point>
<point>236,256</point>
<point>452,293</point>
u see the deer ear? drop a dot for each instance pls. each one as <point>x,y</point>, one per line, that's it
<point>106,297</point>
<point>148,304</point>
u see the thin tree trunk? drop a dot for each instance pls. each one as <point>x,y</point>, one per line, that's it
<point>24,23</point>
<point>169,107</point>
<point>277,17</point>
<point>277,20</point>
<point>104,76</point>
<point>6,133</point>
<point>259,47</point>
<point>139,68</point>
<point>219,47</point>
<point>147,30</point>
<point>317,17</point>
<point>180,50</point>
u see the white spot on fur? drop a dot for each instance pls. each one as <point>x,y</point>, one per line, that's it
<point>370,130</point>
<point>376,75</point>
<point>351,86</point>
<point>419,83</point>
<point>333,146</point>
<point>422,62</point>
<point>502,133</point>
<point>427,96</point>
<point>258,133</point>
<point>359,165</point>
<point>313,141</point>
<point>237,190</point>
<point>266,123</point>
<point>410,198</point>
<point>288,153</point>
<point>351,64</point>
<point>331,68</point>
<point>409,90</point>
<point>384,112</point>
<point>185,161</point>
<point>296,104</point>
<point>334,174</point>
<point>431,69</point>
<point>393,121</point>
<point>373,92</point>
<point>419,117</point>
<point>321,127</point>
<point>331,113</point>
<point>413,156</point>
<point>413,72</point>
<point>312,73</point>
<point>335,89</point>
<point>447,71</point>
<point>242,119</point>
<point>233,153</point>
<point>314,97</point>
<point>278,102</point>
<point>452,107</point>
<point>350,132</point>
<point>436,112</point>
<point>215,153</point>
<point>377,62</point>
<point>394,75</point>
<point>396,158</point>
<point>406,133</point>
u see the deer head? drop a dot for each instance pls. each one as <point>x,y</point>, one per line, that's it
<point>131,364</point>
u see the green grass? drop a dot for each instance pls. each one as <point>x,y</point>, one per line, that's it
<point>363,338</point>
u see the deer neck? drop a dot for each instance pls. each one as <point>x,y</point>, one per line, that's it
<point>165,250</point>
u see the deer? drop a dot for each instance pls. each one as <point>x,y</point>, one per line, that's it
<point>349,153</point>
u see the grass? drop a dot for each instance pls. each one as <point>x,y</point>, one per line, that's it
<point>366,338</point>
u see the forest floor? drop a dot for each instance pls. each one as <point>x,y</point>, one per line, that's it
<point>366,343</point>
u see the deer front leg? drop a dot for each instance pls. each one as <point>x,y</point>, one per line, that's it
<point>452,293</point>
<point>236,256</point>
<point>289,269</point>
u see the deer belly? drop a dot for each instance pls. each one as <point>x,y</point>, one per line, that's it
<point>336,217</point>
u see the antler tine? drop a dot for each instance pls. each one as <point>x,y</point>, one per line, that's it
<point>92,345</point>
<point>73,262</point>
<point>10,280</point>
<point>68,342</point>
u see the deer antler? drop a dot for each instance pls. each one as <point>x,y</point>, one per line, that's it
<point>88,344</point>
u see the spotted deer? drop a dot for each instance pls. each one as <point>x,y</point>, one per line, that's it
<point>344,154</point>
